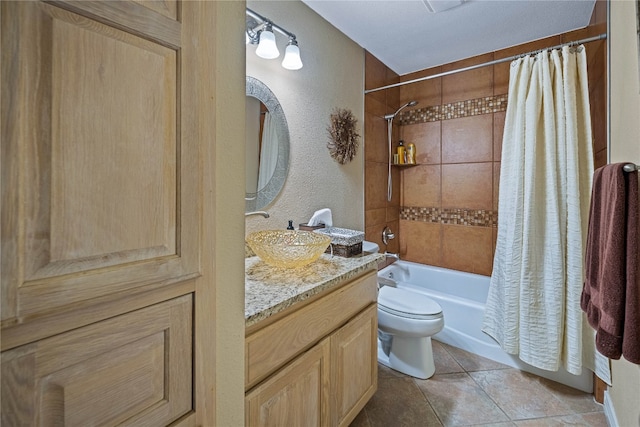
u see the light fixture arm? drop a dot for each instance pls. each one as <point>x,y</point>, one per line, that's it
<point>264,22</point>
<point>254,33</point>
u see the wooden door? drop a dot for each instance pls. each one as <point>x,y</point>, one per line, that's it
<point>101,194</point>
<point>354,376</point>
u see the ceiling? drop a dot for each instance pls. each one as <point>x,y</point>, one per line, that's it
<point>407,37</point>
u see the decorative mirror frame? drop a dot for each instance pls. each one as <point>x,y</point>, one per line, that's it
<point>266,195</point>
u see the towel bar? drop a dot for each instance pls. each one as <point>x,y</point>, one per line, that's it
<point>630,167</point>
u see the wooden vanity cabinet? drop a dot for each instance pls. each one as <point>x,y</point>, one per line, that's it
<point>315,365</point>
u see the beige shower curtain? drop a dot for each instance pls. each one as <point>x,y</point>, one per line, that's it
<point>268,151</point>
<point>533,309</point>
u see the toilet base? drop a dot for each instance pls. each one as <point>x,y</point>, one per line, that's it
<point>411,356</point>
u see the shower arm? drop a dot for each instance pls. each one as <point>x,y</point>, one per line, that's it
<point>407,104</point>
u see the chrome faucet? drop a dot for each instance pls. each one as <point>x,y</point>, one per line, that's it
<point>394,256</point>
<point>263,213</point>
<point>387,235</point>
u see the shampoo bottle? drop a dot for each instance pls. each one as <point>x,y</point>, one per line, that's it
<point>411,153</point>
<point>401,153</point>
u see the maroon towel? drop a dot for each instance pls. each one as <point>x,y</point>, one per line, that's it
<point>611,292</point>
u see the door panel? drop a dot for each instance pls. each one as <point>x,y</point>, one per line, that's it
<point>113,163</point>
<point>101,209</point>
<point>132,369</point>
<point>106,191</point>
<point>100,200</point>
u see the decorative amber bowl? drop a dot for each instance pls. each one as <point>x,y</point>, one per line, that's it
<point>288,248</point>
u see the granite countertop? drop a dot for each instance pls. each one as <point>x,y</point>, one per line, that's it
<point>269,290</point>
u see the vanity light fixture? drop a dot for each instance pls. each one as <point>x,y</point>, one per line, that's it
<point>267,47</point>
<point>292,59</point>
<point>259,31</point>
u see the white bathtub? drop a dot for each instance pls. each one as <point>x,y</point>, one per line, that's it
<point>462,297</point>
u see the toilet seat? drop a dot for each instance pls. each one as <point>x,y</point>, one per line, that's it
<point>407,304</point>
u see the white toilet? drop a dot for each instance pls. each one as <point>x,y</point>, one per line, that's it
<point>406,322</point>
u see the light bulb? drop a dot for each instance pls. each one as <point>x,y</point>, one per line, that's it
<point>292,59</point>
<point>267,48</point>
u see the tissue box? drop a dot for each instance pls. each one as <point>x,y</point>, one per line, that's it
<point>307,227</point>
<point>344,242</point>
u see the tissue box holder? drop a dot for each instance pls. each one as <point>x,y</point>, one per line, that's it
<point>307,227</point>
<point>345,243</point>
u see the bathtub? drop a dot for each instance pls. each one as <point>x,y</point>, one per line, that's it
<point>462,297</point>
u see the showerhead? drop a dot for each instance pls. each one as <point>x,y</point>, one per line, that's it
<point>408,104</point>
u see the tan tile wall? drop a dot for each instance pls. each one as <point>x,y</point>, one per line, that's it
<point>378,211</point>
<point>453,188</point>
<point>444,210</point>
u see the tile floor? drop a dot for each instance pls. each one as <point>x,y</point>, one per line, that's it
<point>469,390</point>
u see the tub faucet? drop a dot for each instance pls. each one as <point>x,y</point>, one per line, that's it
<point>387,235</point>
<point>394,256</point>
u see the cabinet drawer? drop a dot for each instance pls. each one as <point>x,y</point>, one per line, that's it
<point>132,369</point>
<point>271,347</point>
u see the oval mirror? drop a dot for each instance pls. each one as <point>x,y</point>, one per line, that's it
<point>267,134</point>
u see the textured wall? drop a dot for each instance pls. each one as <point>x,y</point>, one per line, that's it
<point>332,77</point>
<point>625,147</point>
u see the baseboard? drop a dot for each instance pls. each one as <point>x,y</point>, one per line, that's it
<point>609,412</point>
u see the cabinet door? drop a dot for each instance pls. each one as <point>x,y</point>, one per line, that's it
<point>298,395</point>
<point>107,111</point>
<point>354,365</point>
<point>100,168</point>
<point>133,369</point>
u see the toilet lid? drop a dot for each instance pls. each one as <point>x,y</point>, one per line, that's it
<point>407,303</point>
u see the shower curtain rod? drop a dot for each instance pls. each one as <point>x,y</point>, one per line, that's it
<point>497,61</point>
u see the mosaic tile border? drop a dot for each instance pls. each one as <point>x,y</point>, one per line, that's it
<point>455,110</point>
<point>470,217</point>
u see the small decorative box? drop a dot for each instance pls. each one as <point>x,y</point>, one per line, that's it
<point>307,227</point>
<point>344,242</point>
